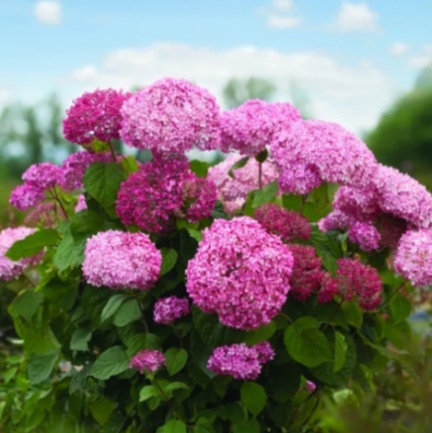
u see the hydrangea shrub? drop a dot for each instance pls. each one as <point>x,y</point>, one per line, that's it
<point>173,297</point>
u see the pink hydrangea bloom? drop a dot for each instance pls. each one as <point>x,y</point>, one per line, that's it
<point>171,116</point>
<point>147,361</point>
<point>232,191</point>
<point>250,127</point>
<point>365,235</point>
<point>81,203</point>
<point>168,310</point>
<point>287,224</point>
<point>44,213</point>
<point>121,260</point>
<point>44,175</point>
<point>307,272</point>
<point>240,361</point>
<point>26,196</point>
<point>10,269</point>
<point>311,152</point>
<point>413,258</point>
<point>354,281</point>
<point>310,386</point>
<point>94,115</point>
<point>75,165</point>
<point>240,272</point>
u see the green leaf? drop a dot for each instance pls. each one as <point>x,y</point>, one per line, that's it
<point>340,351</point>
<point>353,314</point>
<point>169,259</point>
<point>129,164</point>
<point>175,360</point>
<point>307,346</point>
<point>292,202</point>
<point>400,308</point>
<point>69,254</point>
<point>84,224</point>
<point>254,397</point>
<point>200,168</point>
<point>102,181</point>
<point>102,409</point>
<point>263,333</point>
<point>110,363</point>
<point>127,313</point>
<point>40,366</point>
<point>239,164</point>
<point>265,195</point>
<point>147,392</point>
<point>173,426</point>
<point>33,244</point>
<point>80,339</point>
<point>112,306</point>
<point>196,234</point>
<point>307,322</point>
<point>250,426</point>
<point>203,425</point>
<point>26,304</point>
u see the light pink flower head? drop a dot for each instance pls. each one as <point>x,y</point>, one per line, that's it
<point>26,196</point>
<point>171,116</point>
<point>119,260</point>
<point>168,310</point>
<point>44,175</point>
<point>147,361</point>
<point>240,272</point>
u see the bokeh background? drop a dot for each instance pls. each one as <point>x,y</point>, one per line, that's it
<point>363,64</point>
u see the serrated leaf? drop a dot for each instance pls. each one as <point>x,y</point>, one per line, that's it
<point>175,360</point>
<point>340,351</point>
<point>169,259</point>
<point>40,366</point>
<point>400,308</point>
<point>112,306</point>
<point>254,397</point>
<point>110,363</point>
<point>127,313</point>
<point>69,254</point>
<point>33,244</point>
<point>80,339</point>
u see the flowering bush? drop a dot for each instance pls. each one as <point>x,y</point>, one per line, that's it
<point>169,297</point>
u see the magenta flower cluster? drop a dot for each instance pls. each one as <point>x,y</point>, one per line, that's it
<point>94,116</point>
<point>171,116</point>
<point>10,269</point>
<point>119,260</point>
<point>147,361</point>
<point>168,310</point>
<point>240,361</point>
<point>240,272</point>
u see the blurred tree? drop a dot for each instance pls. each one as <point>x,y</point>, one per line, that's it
<point>237,91</point>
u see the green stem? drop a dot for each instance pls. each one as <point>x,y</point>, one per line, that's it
<point>260,175</point>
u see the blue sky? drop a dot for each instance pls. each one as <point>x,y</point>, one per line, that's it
<point>351,58</point>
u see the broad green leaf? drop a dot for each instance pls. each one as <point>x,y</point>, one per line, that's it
<point>102,181</point>
<point>340,352</point>
<point>84,224</point>
<point>250,426</point>
<point>173,426</point>
<point>40,366</point>
<point>196,234</point>
<point>147,392</point>
<point>129,164</point>
<point>112,306</point>
<point>80,339</point>
<point>26,304</point>
<point>169,259</point>
<point>307,346</point>
<point>239,164</point>
<point>292,202</point>
<point>175,360</point>
<point>203,425</point>
<point>102,409</point>
<point>200,168</point>
<point>127,313</point>
<point>353,314</point>
<point>307,322</point>
<point>110,363</point>
<point>265,195</point>
<point>254,397</point>
<point>173,386</point>
<point>263,333</point>
<point>400,308</point>
<point>33,244</point>
<point>69,254</point>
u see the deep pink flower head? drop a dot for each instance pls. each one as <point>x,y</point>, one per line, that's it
<point>171,116</point>
<point>44,175</point>
<point>75,165</point>
<point>121,260</point>
<point>94,115</point>
<point>413,259</point>
<point>310,386</point>
<point>354,281</point>
<point>168,310</point>
<point>240,361</point>
<point>307,272</point>
<point>250,127</point>
<point>26,196</point>
<point>147,361</point>
<point>232,191</point>
<point>240,272</point>
<point>10,269</point>
<point>365,235</point>
<point>287,224</point>
<point>311,152</point>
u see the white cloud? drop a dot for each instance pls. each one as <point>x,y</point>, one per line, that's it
<point>352,96</point>
<point>399,48</point>
<point>356,17</point>
<point>281,22</point>
<point>278,14</point>
<point>421,59</point>
<point>283,5</point>
<point>48,12</point>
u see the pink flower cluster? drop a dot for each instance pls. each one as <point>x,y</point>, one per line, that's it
<point>240,272</point>
<point>287,224</point>
<point>94,115</point>
<point>240,361</point>
<point>168,310</point>
<point>162,190</point>
<point>354,281</point>
<point>118,260</point>
<point>365,235</point>
<point>10,269</point>
<point>413,258</point>
<point>311,152</point>
<point>147,361</point>
<point>171,116</point>
<point>232,191</point>
<point>250,127</point>
<point>307,273</point>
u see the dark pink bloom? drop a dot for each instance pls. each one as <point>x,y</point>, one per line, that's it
<point>147,361</point>
<point>168,310</point>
